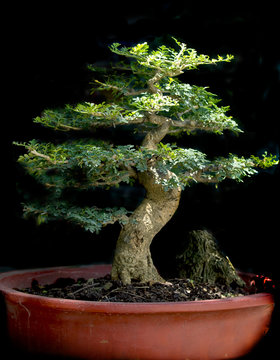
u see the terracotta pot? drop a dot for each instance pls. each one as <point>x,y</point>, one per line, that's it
<point>208,329</point>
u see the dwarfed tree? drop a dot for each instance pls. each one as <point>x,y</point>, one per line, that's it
<point>146,94</point>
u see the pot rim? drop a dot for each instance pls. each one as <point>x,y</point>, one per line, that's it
<point>239,302</point>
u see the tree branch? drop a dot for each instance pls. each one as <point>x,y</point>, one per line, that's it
<point>46,157</point>
<point>198,177</point>
<point>125,91</point>
<point>192,125</point>
<point>155,136</point>
<point>151,83</point>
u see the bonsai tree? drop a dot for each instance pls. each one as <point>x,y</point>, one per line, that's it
<point>144,93</point>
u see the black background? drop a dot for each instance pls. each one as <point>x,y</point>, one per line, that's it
<point>48,49</point>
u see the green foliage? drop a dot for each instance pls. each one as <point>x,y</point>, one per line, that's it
<point>146,93</point>
<point>90,218</point>
<point>190,165</point>
<point>266,161</point>
<point>198,105</point>
<point>86,163</point>
<point>150,87</point>
<point>86,116</point>
<point>168,61</point>
<point>153,102</point>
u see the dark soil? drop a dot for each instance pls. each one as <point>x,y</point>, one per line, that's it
<point>105,289</point>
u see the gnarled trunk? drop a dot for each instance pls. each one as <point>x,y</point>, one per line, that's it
<point>132,258</point>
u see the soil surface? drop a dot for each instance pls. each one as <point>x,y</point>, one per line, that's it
<point>105,289</point>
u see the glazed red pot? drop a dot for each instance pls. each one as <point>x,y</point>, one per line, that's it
<point>208,329</point>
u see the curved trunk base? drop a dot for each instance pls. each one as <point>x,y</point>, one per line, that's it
<point>132,260</point>
<point>137,267</point>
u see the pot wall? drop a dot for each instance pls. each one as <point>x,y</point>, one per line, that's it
<point>209,329</point>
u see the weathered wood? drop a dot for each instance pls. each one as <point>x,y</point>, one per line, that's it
<point>201,260</point>
<point>132,258</point>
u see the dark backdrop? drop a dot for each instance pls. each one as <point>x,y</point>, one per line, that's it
<point>48,52</point>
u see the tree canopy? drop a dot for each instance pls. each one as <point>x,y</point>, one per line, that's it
<point>145,92</point>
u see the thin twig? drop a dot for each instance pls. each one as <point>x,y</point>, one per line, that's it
<point>85,287</point>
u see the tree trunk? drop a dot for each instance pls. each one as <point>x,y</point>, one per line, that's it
<point>132,258</point>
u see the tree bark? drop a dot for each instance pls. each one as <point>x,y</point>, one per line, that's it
<point>202,261</point>
<point>132,260</point>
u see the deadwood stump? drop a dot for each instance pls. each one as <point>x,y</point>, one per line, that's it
<point>202,261</point>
